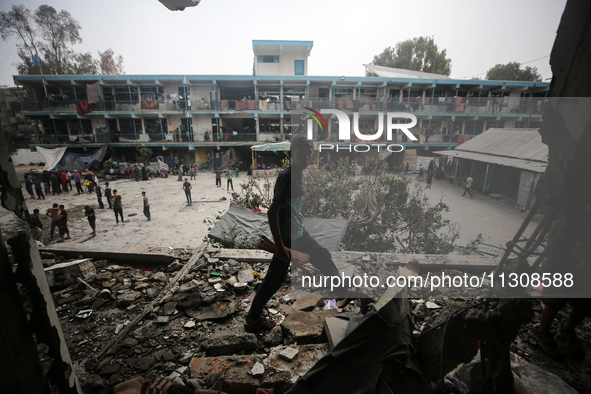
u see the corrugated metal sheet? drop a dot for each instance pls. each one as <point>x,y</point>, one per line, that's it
<point>528,165</point>
<point>391,72</point>
<point>523,144</point>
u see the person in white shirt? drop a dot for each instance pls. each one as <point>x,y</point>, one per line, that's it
<point>468,187</point>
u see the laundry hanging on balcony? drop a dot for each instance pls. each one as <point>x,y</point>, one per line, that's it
<point>82,107</point>
<point>93,93</point>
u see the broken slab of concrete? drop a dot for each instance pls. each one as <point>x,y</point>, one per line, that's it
<point>66,274</point>
<point>230,344</point>
<point>305,304</point>
<point>307,356</point>
<point>305,327</point>
<point>336,330</point>
<point>217,310</point>
<point>233,371</point>
<point>289,353</point>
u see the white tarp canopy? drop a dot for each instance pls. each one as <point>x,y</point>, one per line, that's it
<point>52,156</point>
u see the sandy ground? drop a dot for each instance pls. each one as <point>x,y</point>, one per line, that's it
<point>496,219</point>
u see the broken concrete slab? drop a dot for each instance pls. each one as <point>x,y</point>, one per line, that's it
<point>234,372</point>
<point>289,353</point>
<point>258,369</point>
<point>161,320</point>
<point>66,274</point>
<point>230,344</point>
<point>168,308</point>
<point>336,330</point>
<point>305,304</point>
<point>245,276</point>
<point>308,355</point>
<point>219,309</point>
<point>305,327</point>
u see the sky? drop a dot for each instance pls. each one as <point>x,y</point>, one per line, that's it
<point>216,36</point>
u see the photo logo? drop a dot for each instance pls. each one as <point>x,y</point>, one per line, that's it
<point>315,115</point>
<point>345,124</point>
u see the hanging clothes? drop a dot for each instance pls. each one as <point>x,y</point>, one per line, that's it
<point>94,93</point>
<point>82,107</point>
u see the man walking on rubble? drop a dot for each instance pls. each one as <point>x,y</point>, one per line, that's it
<point>287,226</point>
<point>54,213</point>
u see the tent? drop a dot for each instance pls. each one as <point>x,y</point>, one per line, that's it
<point>59,159</point>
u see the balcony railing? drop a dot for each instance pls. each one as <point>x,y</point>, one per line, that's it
<point>418,105</point>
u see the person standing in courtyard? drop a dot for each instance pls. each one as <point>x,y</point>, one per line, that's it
<point>99,196</point>
<point>38,188</point>
<point>77,181</point>
<point>218,177</point>
<point>429,178</point>
<point>69,179</point>
<point>29,186</point>
<point>63,223</point>
<point>468,187</point>
<point>118,207</point>
<point>229,182</point>
<point>146,205</point>
<point>36,225</point>
<point>187,188</point>
<point>108,195</point>
<point>192,171</point>
<point>89,212</point>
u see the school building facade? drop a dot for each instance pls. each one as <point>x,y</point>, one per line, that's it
<point>198,117</point>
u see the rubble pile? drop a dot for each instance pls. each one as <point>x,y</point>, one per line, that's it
<point>122,322</point>
<point>200,318</point>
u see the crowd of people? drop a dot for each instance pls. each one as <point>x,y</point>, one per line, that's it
<point>62,181</point>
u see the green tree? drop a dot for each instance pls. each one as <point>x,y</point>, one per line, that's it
<point>418,54</point>
<point>385,213</point>
<point>513,72</point>
<point>51,35</point>
<point>59,31</point>
<point>145,154</point>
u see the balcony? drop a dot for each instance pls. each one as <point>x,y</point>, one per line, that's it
<point>470,106</point>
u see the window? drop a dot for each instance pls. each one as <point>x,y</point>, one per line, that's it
<point>267,59</point>
<point>298,66</point>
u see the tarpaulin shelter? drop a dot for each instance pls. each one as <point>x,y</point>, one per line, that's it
<point>246,225</point>
<point>59,159</point>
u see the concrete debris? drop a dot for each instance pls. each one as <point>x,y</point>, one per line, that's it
<point>189,324</point>
<point>258,369</point>
<point>230,344</point>
<point>305,327</point>
<point>198,323</point>
<point>289,353</point>
<point>245,276</point>
<point>336,330</point>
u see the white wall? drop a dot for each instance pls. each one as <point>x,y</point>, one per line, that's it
<point>201,123</point>
<point>26,157</point>
<point>286,61</point>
